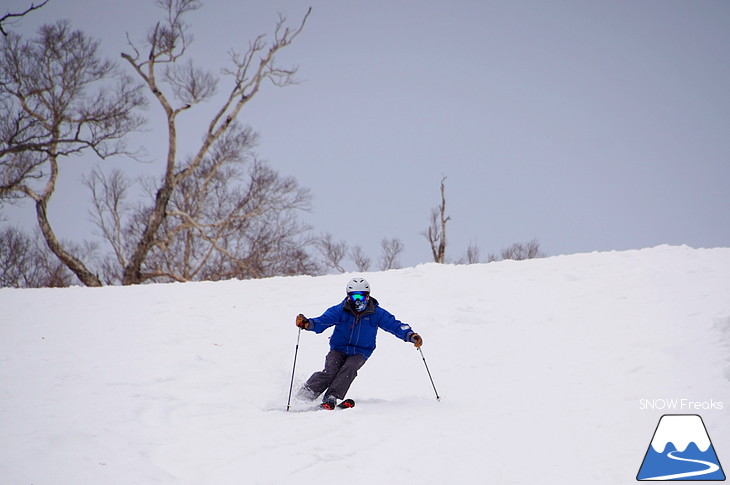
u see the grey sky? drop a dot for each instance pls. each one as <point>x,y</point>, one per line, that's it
<point>590,125</point>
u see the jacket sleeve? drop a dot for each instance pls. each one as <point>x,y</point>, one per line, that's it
<point>330,317</point>
<point>390,324</point>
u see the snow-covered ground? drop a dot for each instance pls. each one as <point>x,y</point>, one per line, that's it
<point>550,372</point>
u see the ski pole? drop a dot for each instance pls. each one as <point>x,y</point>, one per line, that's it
<point>438,398</point>
<point>291,386</point>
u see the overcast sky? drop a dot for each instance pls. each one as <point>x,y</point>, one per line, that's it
<point>589,125</point>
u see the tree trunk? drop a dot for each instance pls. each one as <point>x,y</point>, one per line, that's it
<point>75,265</point>
<point>132,274</point>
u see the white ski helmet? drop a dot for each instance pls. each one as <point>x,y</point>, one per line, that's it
<point>358,284</point>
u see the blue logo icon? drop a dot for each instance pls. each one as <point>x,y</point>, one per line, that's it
<point>681,450</point>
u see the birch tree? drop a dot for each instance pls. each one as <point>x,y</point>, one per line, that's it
<point>58,98</point>
<point>436,231</point>
<point>177,85</point>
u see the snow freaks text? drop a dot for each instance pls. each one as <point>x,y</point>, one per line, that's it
<point>680,405</point>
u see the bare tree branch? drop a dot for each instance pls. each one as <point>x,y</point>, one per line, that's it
<point>520,251</point>
<point>56,101</point>
<point>391,249</point>
<point>108,197</point>
<point>167,43</point>
<point>332,251</point>
<point>233,218</point>
<point>361,260</point>
<point>472,255</point>
<point>27,262</point>
<point>9,16</point>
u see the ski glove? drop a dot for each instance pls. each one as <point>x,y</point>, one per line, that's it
<point>302,322</point>
<point>417,340</point>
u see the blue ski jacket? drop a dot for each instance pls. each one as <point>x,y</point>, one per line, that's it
<point>355,333</point>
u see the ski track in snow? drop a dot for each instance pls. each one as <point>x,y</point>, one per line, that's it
<point>711,468</point>
<point>187,384</point>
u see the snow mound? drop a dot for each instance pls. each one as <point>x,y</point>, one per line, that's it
<point>541,366</point>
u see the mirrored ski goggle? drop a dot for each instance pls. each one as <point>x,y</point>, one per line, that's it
<point>358,296</point>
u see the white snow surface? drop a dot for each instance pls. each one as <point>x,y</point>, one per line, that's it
<point>541,366</point>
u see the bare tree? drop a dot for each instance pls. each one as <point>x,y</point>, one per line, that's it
<point>233,218</point>
<point>520,251</point>
<point>225,230</point>
<point>472,255</point>
<point>145,239</point>
<point>17,261</point>
<point>56,100</point>
<point>9,16</point>
<point>332,251</point>
<point>26,261</point>
<point>390,250</point>
<point>186,86</point>
<point>109,211</point>
<point>436,232</point>
<point>361,260</point>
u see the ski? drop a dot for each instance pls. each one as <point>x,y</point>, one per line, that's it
<point>301,408</point>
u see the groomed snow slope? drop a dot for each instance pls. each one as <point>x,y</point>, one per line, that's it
<point>541,365</point>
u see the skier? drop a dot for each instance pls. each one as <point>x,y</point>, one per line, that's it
<point>356,320</point>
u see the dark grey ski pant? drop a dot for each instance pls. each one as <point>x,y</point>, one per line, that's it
<point>336,377</point>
